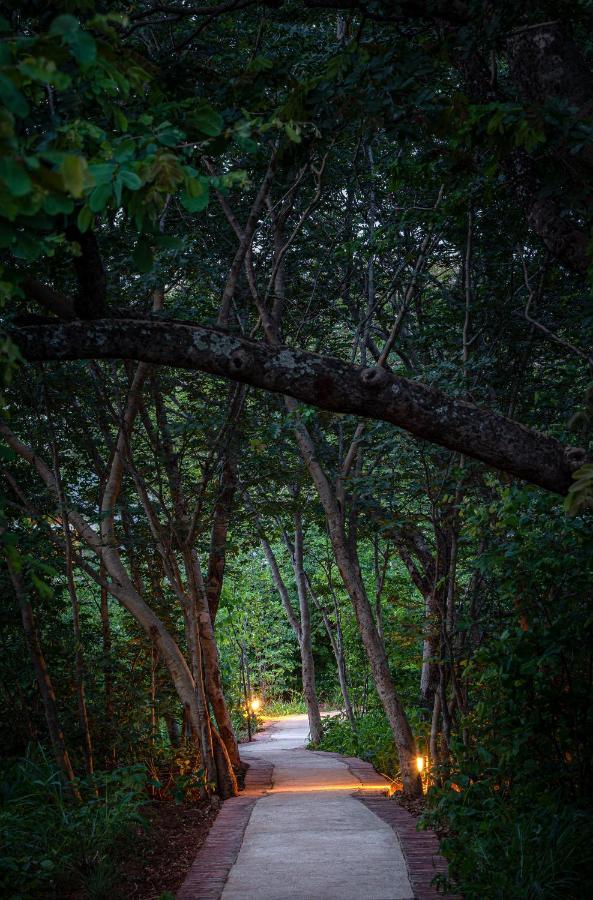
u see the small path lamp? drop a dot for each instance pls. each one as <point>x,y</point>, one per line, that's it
<point>252,704</point>
<point>421,769</point>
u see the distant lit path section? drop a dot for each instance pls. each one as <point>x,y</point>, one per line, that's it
<point>309,838</point>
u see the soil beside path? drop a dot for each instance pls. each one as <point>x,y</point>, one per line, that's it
<point>308,837</point>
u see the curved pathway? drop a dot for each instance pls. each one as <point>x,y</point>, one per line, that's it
<point>300,832</point>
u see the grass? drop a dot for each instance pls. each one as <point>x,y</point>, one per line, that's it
<point>283,707</point>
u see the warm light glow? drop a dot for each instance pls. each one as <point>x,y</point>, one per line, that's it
<point>419,763</point>
<point>254,704</point>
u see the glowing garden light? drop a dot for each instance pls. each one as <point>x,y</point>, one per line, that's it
<point>254,704</point>
<point>420,764</point>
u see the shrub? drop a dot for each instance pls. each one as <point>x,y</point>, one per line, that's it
<point>372,740</point>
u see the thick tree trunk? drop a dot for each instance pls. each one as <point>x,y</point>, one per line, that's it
<point>227,781</point>
<point>210,661</point>
<point>324,382</point>
<point>377,657</point>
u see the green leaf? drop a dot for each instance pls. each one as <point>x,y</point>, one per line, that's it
<point>83,48</point>
<point>100,197</point>
<point>15,177</point>
<point>74,170</point>
<point>120,119</point>
<point>55,205</point>
<point>85,219</point>
<point>193,204</point>
<point>102,173</point>
<point>293,132</point>
<point>130,179</point>
<point>206,120</point>
<point>118,187</point>
<point>196,195</point>
<point>27,247</point>
<point>12,98</point>
<point>64,25</point>
<point>142,256</point>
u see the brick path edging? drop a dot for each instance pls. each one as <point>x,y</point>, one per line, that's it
<point>210,869</point>
<point>420,848</point>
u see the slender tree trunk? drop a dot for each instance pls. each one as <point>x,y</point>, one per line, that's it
<point>200,725</point>
<point>154,658</point>
<point>337,644</point>
<point>107,666</point>
<point>343,681</point>
<point>305,644</point>
<point>375,649</point>
<point>79,671</point>
<point>105,546</point>
<point>83,718</point>
<point>218,538</point>
<point>430,645</point>
<point>44,682</point>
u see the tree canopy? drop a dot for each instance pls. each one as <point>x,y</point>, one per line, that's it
<point>297,399</point>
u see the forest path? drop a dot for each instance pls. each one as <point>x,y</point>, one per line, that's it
<point>309,838</point>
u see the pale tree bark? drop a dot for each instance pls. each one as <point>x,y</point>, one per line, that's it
<point>211,661</point>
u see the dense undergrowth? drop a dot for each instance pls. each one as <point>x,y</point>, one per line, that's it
<point>55,844</point>
<point>51,842</point>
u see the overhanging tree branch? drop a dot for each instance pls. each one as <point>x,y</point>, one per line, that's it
<point>324,382</point>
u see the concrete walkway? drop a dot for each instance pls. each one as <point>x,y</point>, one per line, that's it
<point>309,838</point>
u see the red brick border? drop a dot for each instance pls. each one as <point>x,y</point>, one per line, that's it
<point>207,877</point>
<point>420,848</point>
